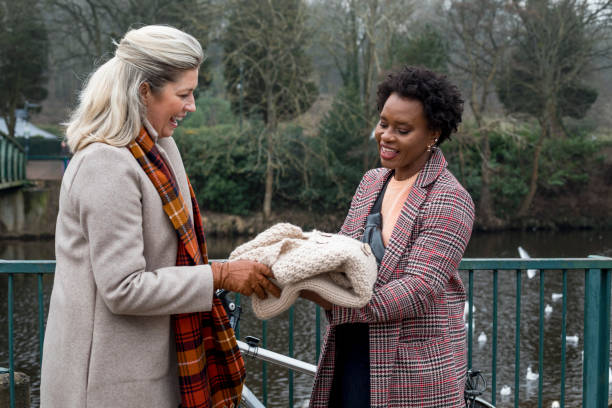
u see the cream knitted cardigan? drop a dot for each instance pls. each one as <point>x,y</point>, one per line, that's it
<point>340,269</point>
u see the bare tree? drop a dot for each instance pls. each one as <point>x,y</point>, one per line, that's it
<point>559,44</point>
<point>358,34</point>
<point>82,32</point>
<point>480,40</point>
<point>23,58</point>
<point>264,45</point>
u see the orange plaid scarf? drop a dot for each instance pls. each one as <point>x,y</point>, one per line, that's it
<point>211,368</point>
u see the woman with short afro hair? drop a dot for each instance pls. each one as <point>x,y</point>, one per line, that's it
<point>407,346</point>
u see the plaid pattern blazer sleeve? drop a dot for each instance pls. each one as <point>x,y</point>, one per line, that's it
<point>427,244</point>
<point>415,316</point>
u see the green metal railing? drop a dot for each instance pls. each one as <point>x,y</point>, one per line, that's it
<point>12,163</point>
<point>596,320</point>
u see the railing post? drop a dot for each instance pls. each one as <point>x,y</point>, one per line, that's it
<point>3,160</point>
<point>11,334</point>
<point>596,338</point>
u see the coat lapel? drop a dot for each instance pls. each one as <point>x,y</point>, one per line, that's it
<point>402,231</point>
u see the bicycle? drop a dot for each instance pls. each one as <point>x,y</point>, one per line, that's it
<point>474,387</point>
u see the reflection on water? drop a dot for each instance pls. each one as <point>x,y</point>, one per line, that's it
<point>27,249</point>
<point>490,245</point>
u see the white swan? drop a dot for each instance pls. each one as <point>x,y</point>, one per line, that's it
<point>531,376</point>
<point>482,338</point>
<point>548,310</point>
<point>572,340</point>
<point>556,296</point>
<point>530,272</point>
<point>555,404</point>
<point>506,390</point>
<point>466,310</point>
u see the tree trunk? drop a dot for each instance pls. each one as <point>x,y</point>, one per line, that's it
<point>271,129</point>
<point>461,163</point>
<point>368,74</point>
<point>269,186</point>
<point>533,184</point>
<point>485,211</point>
<point>11,121</point>
<point>485,205</point>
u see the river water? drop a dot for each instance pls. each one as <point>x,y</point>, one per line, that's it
<point>490,245</point>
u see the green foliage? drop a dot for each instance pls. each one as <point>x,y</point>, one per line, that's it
<point>565,163</point>
<point>337,157</point>
<point>564,166</point>
<point>211,111</point>
<point>268,43</point>
<point>23,57</point>
<point>292,178</point>
<point>426,48</point>
<point>226,166</point>
<point>223,166</point>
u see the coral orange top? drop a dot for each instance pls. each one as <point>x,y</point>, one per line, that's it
<point>393,201</point>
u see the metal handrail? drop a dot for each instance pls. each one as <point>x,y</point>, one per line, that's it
<point>597,273</point>
<point>12,162</point>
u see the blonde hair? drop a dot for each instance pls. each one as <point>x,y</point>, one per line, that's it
<point>110,109</point>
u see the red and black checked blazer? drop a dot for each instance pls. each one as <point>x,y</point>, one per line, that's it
<point>417,334</point>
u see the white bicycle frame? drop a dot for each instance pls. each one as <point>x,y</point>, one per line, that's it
<point>249,400</point>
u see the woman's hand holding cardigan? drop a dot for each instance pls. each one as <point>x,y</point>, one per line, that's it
<point>245,277</point>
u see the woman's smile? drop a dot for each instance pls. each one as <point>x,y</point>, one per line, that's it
<point>174,121</point>
<point>388,153</point>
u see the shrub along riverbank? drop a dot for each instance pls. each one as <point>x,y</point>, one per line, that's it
<point>318,167</point>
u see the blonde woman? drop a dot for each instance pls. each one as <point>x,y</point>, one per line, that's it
<point>133,321</point>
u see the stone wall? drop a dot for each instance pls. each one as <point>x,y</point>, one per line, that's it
<point>29,212</point>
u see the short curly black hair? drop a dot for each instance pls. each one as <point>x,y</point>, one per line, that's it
<point>441,100</point>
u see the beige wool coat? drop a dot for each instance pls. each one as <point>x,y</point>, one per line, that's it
<point>109,341</point>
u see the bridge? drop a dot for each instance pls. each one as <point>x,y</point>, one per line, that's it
<point>23,202</point>
<point>12,163</point>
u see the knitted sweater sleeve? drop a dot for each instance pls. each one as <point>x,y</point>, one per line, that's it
<point>433,257</point>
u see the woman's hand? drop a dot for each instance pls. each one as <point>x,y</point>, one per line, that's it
<point>314,297</point>
<point>245,277</point>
